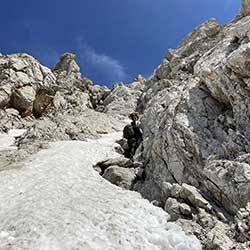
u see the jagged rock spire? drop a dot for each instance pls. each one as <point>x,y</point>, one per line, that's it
<point>67,63</point>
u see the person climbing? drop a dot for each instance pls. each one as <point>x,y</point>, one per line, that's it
<point>134,135</point>
<point>135,117</point>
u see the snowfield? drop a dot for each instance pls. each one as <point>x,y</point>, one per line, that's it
<point>56,201</point>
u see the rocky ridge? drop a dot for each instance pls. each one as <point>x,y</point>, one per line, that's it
<point>57,104</point>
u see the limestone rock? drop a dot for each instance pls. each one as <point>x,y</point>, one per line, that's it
<point>71,125</point>
<point>21,77</point>
<point>205,219</point>
<point>245,9</point>
<point>22,98</point>
<point>59,101</point>
<point>200,114</point>
<point>228,181</point>
<point>67,63</point>
<point>243,224</point>
<point>68,74</point>
<point>196,127</point>
<point>191,194</point>
<point>122,177</point>
<point>177,209</point>
<point>176,190</point>
<point>166,190</point>
<point>122,99</point>
<point>119,161</point>
<point>21,70</point>
<point>239,61</point>
<point>12,111</point>
<point>5,95</point>
<point>97,96</point>
<point>163,70</point>
<point>218,238</point>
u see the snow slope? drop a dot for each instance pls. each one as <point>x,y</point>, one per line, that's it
<point>56,201</point>
<point>7,141</point>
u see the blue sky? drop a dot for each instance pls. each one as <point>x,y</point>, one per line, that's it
<point>114,39</point>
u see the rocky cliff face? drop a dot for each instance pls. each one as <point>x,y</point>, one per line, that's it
<point>57,104</point>
<point>195,118</point>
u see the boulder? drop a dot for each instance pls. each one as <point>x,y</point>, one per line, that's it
<point>12,111</point>
<point>219,239</point>
<point>22,98</point>
<point>239,61</point>
<point>42,103</point>
<point>22,70</point>
<point>97,96</point>
<point>119,176</point>
<point>5,95</point>
<point>242,226</point>
<point>59,101</point>
<point>205,219</point>
<point>119,161</point>
<point>192,195</point>
<point>177,209</point>
<point>229,182</point>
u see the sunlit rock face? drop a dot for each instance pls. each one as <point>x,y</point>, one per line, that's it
<point>195,110</point>
<point>245,9</point>
<point>197,114</point>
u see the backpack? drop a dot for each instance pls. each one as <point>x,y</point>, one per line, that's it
<point>128,132</point>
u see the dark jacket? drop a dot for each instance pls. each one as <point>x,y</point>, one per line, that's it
<point>137,130</point>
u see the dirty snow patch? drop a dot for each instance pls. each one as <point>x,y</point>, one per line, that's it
<point>56,201</point>
<point>7,141</point>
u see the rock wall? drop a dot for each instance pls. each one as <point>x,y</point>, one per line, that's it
<point>196,115</point>
<point>195,119</point>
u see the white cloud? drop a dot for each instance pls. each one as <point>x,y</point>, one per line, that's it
<point>109,67</point>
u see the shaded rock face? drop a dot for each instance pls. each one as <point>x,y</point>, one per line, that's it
<point>97,96</point>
